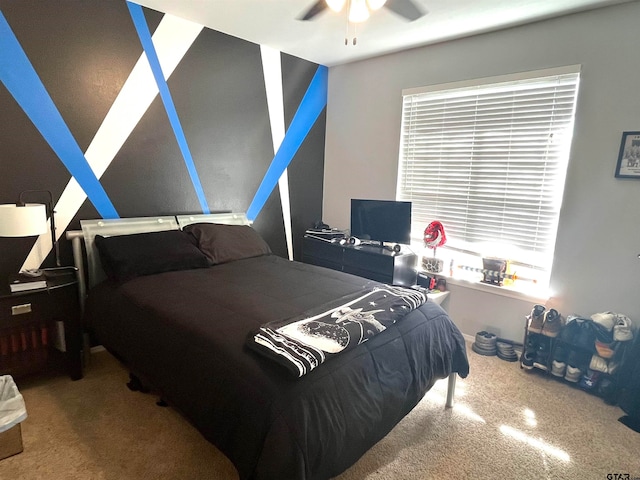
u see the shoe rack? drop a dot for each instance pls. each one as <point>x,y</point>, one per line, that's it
<point>571,352</point>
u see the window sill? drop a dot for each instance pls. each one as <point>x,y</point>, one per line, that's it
<point>504,291</point>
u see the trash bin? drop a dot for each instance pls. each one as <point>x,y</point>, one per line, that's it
<point>12,412</point>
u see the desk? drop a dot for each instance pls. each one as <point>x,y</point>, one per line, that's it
<point>372,262</point>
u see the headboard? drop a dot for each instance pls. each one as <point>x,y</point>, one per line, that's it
<point>128,226</point>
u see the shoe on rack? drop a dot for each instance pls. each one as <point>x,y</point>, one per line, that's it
<point>542,356</point>
<point>622,330</point>
<point>571,330</point>
<point>531,345</point>
<point>527,359</point>
<point>605,350</point>
<point>536,319</point>
<point>558,368</point>
<point>586,336</point>
<point>561,354</point>
<point>599,364</point>
<point>606,319</point>
<point>589,380</point>
<point>573,374</point>
<point>579,359</point>
<point>552,323</point>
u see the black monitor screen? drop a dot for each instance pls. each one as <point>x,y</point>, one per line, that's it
<point>381,220</point>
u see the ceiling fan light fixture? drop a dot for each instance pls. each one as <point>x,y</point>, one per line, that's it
<point>358,11</point>
<point>335,5</point>
<point>376,4</point>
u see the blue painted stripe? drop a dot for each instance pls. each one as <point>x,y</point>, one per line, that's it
<point>312,104</point>
<point>149,49</point>
<point>21,80</point>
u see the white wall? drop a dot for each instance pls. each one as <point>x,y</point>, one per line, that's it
<point>596,266</point>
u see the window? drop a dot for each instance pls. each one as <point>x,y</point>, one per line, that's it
<point>488,159</point>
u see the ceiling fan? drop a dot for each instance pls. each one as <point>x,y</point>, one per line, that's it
<point>359,10</point>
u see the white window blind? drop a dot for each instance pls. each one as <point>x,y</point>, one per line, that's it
<point>489,160</point>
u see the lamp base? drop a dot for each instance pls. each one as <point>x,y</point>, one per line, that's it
<point>31,272</point>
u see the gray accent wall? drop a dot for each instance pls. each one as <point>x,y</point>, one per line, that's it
<point>596,267</point>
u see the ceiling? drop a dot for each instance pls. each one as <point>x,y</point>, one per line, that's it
<point>322,40</point>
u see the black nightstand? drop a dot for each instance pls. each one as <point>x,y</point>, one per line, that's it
<point>29,322</point>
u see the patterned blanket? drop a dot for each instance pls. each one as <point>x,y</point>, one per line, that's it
<point>302,343</point>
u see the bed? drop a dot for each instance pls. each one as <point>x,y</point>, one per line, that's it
<point>187,329</point>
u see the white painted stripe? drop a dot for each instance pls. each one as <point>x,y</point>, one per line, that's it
<point>272,70</point>
<point>172,39</point>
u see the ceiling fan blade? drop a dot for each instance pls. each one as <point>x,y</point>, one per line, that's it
<point>315,9</point>
<point>405,8</point>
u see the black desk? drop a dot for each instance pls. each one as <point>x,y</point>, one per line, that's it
<point>372,262</point>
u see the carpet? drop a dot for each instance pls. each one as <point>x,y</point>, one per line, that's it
<point>507,423</point>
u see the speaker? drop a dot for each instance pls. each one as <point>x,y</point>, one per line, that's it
<point>350,241</point>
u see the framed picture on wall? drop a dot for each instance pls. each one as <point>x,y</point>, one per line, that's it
<point>629,156</point>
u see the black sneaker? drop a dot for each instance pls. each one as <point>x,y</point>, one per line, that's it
<point>589,380</point>
<point>542,356</point>
<point>560,354</point>
<point>527,359</point>
<point>532,341</point>
<point>579,359</point>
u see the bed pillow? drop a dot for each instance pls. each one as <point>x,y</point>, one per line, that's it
<point>226,243</point>
<point>128,256</point>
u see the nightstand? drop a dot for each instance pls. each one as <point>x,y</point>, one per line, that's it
<point>29,325</point>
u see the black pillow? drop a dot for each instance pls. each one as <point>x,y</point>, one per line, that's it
<point>128,256</point>
<point>226,243</point>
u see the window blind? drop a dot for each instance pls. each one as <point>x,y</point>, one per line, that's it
<point>489,161</point>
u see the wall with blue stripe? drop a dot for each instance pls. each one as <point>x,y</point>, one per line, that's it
<point>97,107</point>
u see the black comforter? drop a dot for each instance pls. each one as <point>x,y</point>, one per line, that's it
<point>184,332</point>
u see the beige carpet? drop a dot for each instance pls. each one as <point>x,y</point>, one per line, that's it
<point>507,424</point>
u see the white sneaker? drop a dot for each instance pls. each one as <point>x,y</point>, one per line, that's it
<point>622,329</point>
<point>558,368</point>
<point>606,319</point>
<point>599,364</point>
<point>573,374</point>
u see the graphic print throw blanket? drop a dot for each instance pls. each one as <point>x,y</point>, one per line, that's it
<point>302,343</point>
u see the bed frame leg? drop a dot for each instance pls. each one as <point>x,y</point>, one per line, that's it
<point>451,388</point>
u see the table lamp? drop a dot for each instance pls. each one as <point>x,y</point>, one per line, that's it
<point>28,219</point>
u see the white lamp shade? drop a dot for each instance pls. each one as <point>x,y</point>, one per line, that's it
<point>376,4</point>
<point>336,5</point>
<point>25,221</point>
<point>358,11</point>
